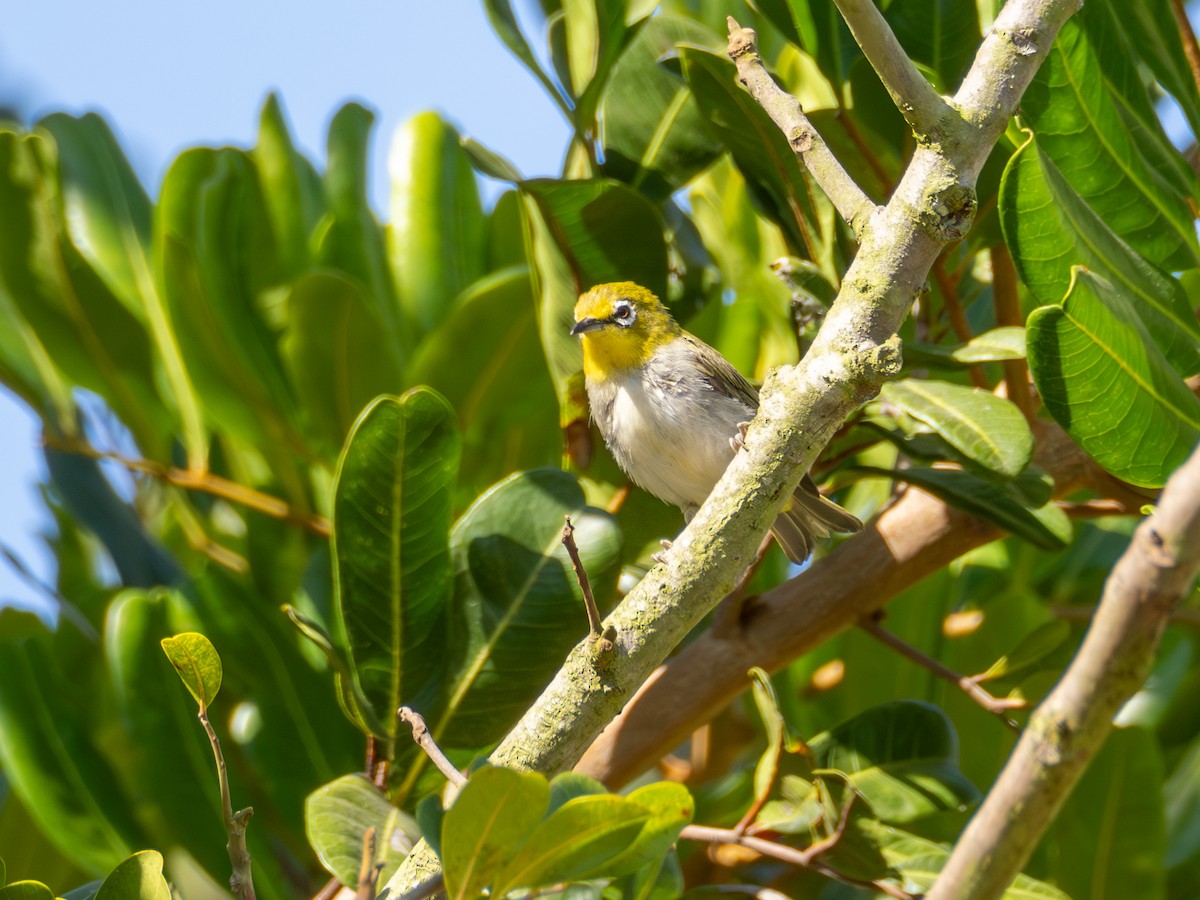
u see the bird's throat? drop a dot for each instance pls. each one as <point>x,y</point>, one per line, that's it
<point>608,354</point>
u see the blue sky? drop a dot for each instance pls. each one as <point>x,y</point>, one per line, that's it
<point>168,76</point>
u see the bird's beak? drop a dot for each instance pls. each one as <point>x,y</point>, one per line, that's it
<point>586,325</point>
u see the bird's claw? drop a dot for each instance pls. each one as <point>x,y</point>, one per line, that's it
<point>661,558</point>
<point>738,441</point>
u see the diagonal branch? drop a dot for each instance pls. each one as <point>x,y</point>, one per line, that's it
<point>1070,726</point>
<point>785,111</point>
<point>922,107</point>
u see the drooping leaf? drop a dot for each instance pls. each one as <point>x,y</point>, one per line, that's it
<point>337,815</point>
<point>902,757</point>
<point>1080,128</point>
<point>985,428</point>
<point>488,823</point>
<point>1104,380</point>
<point>197,663</point>
<point>1049,228</point>
<point>435,240</point>
<point>391,519</point>
<point>518,607</point>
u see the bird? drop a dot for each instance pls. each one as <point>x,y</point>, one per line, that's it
<point>673,411</point>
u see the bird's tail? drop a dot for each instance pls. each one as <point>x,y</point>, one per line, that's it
<point>810,516</point>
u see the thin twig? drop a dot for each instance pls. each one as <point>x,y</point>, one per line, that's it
<point>240,881</point>
<point>329,890</point>
<point>1098,509</point>
<point>997,706</point>
<point>851,202</point>
<point>1188,36</point>
<point>203,482</point>
<point>958,319</point>
<point>595,623</point>
<point>727,618</point>
<point>865,150</point>
<point>922,107</point>
<point>805,859</point>
<point>1007,304</point>
<point>425,741</point>
<point>369,869</point>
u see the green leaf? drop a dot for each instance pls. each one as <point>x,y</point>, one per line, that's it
<point>1030,654</point>
<point>489,162</point>
<point>26,890</point>
<point>987,429</point>
<point>1154,35</point>
<point>1079,127</point>
<point>488,823</point>
<point>291,187</point>
<point>504,23</point>
<point>941,35</point>
<point>919,862</point>
<point>774,725</point>
<point>430,817</point>
<point>391,518</point>
<point>337,815</point>
<point>902,757</point>
<point>781,184</point>
<point>1118,803</point>
<point>996,345</point>
<point>336,352</point>
<point>436,237</point>
<point>1049,228</point>
<point>670,807</point>
<point>654,136</point>
<point>1181,794</point>
<point>1103,379</point>
<point>1047,526</point>
<point>138,878</point>
<point>569,785</point>
<point>196,661</point>
<point>517,602</point>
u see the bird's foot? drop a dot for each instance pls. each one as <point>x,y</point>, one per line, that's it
<point>661,558</point>
<point>738,441</point>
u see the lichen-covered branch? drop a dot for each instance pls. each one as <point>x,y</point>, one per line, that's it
<point>922,107</point>
<point>801,408</point>
<point>1070,726</point>
<point>785,111</point>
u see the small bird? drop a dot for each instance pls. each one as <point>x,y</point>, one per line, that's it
<point>672,410</point>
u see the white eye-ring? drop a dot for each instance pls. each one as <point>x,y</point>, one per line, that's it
<point>623,313</point>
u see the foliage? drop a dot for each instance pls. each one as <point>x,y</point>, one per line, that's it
<point>353,442</point>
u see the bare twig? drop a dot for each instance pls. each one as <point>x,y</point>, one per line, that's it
<point>204,482</point>
<point>1188,36</point>
<point>425,741</point>
<point>1070,726</point>
<point>1098,509</point>
<point>948,288</point>
<point>369,869</point>
<point>922,107</point>
<point>805,859</point>
<point>1008,312</point>
<point>595,623</point>
<point>997,706</point>
<point>863,146</point>
<point>240,882</point>
<point>851,202</point>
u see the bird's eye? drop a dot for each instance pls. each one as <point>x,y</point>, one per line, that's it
<point>623,313</point>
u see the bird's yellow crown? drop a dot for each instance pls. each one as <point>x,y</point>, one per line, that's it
<point>621,325</point>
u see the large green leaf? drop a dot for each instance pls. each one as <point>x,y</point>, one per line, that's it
<point>987,429</point>
<point>338,814</point>
<point>780,183</point>
<point>942,35</point>
<point>584,233</point>
<point>517,606</point>
<point>391,521</point>
<point>1104,380</point>
<point>902,757</point>
<point>26,890</point>
<point>437,234</point>
<point>337,353</point>
<point>216,258</point>
<point>486,360</point>
<point>504,23</point>
<point>489,821</point>
<point>1079,126</point>
<point>1109,838</point>
<point>291,187</point>
<point>654,137</point>
<point>1049,228</point>
<point>140,877</point>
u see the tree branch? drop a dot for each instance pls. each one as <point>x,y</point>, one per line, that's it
<point>922,107</point>
<point>1070,726</point>
<point>785,111</point>
<point>801,408</point>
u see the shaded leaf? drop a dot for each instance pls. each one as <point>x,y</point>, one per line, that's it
<point>338,814</point>
<point>138,878</point>
<point>942,35</point>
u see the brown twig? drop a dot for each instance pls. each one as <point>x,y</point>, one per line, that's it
<point>1098,509</point>
<point>203,482</point>
<point>1188,37</point>
<point>728,615</point>
<point>369,869</point>
<point>805,859</point>
<point>424,740</point>
<point>1067,730</point>
<point>595,624</point>
<point>864,148</point>
<point>241,882</point>
<point>1007,304</point>
<point>997,706</point>
<point>329,890</point>
<point>948,288</point>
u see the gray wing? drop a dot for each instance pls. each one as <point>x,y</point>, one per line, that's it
<point>720,374</point>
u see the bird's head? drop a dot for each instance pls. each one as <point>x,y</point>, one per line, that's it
<point>621,324</point>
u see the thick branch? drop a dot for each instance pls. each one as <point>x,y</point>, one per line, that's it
<point>922,107</point>
<point>1070,726</point>
<point>801,408</point>
<point>785,110</point>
